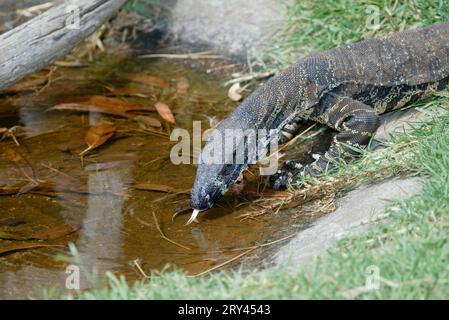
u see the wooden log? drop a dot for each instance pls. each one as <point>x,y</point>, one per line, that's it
<point>50,36</point>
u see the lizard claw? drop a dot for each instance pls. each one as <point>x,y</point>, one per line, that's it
<point>290,176</point>
<point>284,177</point>
<point>292,164</point>
<point>279,180</point>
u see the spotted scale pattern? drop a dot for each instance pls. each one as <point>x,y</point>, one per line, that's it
<point>345,88</point>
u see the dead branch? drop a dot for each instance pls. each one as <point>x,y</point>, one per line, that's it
<point>50,36</point>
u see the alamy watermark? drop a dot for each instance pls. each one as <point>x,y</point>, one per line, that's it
<point>372,21</point>
<point>372,281</point>
<point>228,146</point>
<point>72,281</point>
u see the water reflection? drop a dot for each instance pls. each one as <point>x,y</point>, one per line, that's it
<point>101,237</point>
<point>118,225</point>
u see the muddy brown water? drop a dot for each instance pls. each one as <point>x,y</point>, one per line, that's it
<point>117,220</point>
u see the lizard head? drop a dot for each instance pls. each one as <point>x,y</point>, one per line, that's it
<point>218,164</point>
<point>212,182</point>
<point>268,108</point>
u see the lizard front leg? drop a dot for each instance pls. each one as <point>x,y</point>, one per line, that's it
<point>355,122</point>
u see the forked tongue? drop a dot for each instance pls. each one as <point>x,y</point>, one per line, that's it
<point>193,216</point>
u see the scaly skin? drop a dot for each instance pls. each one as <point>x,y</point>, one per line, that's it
<point>346,89</point>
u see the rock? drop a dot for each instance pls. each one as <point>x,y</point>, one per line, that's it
<point>354,213</point>
<point>401,121</point>
<point>231,27</point>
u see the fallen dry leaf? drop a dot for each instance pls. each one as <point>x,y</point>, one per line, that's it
<point>3,130</point>
<point>147,79</point>
<point>165,112</point>
<point>235,92</point>
<point>97,135</point>
<point>27,85</point>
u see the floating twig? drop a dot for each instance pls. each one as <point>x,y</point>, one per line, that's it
<point>252,76</point>
<point>228,66</point>
<point>137,265</point>
<point>49,167</point>
<point>248,250</point>
<point>164,236</point>
<point>9,133</point>
<point>264,244</point>
<point>223,264</point>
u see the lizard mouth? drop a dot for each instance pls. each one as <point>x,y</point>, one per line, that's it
<point>206,191</point>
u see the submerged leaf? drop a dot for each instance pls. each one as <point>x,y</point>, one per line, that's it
<point>148,121</point>
<point>182,84</point>
<point>165,112</point>
<point>23,246</point>
<point>20,163</point>
<point>147,80</point>
<point>36,186</point>
<point>103,105</point>
<point>27,85</point>
<point>159,188</point>
<point>50,187</point>
<point>56,232</point>
<point>51,233</point>
<point>73,145</point>
<point>97,135</point>
<point>8,236</point>
<point>126,92</point>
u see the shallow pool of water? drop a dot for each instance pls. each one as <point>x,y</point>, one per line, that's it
<point>119,224</point>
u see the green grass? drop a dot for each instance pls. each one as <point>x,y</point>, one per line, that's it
<point>149,8</point>
<point>314,25</point>
<point>409,246</point>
